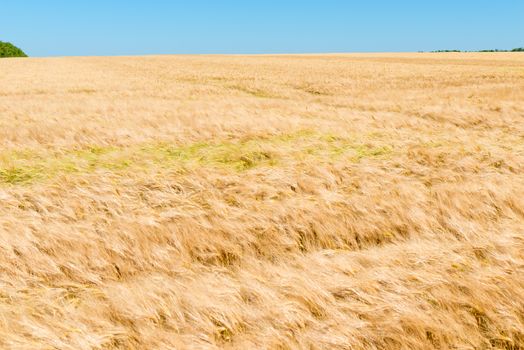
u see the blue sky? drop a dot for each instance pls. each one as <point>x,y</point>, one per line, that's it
<point>132,27</point>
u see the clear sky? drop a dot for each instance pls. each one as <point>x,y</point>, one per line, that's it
<point>133,27</point>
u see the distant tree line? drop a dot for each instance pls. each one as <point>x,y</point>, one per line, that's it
<point>9,50</point>
<point>517,49</point>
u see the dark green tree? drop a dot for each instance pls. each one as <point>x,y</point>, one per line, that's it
<point>9,50</point>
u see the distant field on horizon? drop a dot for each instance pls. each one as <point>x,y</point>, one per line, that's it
<point>466,55</point>
<point>322,201</point>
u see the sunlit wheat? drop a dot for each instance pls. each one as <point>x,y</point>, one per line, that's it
<point>365,201</point>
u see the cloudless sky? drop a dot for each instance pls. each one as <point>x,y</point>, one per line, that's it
<point>133,27</point>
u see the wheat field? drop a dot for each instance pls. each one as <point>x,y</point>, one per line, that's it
<point>356,201</point>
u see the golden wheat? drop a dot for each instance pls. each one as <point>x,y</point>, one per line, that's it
<point>364,201</point>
